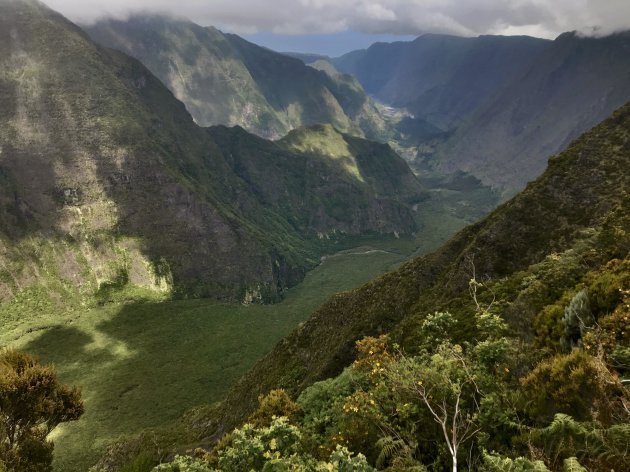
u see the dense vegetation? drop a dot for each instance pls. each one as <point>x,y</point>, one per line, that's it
<point>488,404</point>
<point>462,406</point>
<point>513,335</point>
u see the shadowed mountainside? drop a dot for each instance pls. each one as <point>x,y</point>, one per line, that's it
<point>107,182</point>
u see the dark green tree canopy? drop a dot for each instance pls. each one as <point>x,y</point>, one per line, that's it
<point>32,403</point>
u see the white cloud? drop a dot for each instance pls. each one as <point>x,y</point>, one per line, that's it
<point>464,17</point>
<point>376,11</point>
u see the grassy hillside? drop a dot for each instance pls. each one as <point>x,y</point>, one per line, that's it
<point>224,80</point>
<point>108,183</point>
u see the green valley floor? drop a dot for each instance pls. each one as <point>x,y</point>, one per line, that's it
<point>142,364</point>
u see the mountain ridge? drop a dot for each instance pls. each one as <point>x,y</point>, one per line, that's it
<point>225,80</point>
<point>505,103</point>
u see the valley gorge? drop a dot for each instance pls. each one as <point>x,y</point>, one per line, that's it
<point>410,257</point>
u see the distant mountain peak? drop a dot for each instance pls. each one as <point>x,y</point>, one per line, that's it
<point>507,102</point>
<point>224,79</point>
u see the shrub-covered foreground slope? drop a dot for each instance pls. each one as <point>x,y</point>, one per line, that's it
<point>226,80</point>
<point>568,229</point>
<point>107,182</point>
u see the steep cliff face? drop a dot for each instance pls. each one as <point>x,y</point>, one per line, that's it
<point>225,80</point>
<point>441,78</point>
<point>108,182</point>
<point>97,152</point>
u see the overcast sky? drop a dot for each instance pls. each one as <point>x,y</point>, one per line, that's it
<point>308,24</point>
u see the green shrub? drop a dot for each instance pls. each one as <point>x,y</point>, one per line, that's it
<point>578,317</point>
<point>32,404</point>
<point>572,465</point>
<point>252,447</point>
<point>184,464</point>
<point>273,405</point>
<point>563,384</point>
<point>566,441</point>
<point>143,462</point>
<point>324,417</point>
<point>497,463</point>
